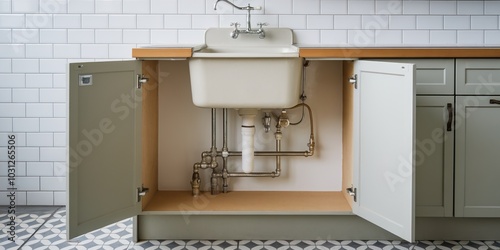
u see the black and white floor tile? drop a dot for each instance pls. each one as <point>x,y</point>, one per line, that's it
<point>44,228</point>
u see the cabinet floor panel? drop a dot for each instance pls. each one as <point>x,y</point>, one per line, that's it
<point>249,202</point>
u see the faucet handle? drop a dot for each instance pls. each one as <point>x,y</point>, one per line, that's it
<point>235,24</point>
<point>262,24</point>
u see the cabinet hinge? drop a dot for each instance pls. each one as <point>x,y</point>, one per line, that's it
<point>354,80</point>
<point>141,79</point>
<point>141,191</point>
<point>352,192</point>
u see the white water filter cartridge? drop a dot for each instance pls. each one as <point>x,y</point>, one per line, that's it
<point>247,142</point>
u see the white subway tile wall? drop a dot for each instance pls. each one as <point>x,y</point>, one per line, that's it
<point>38,38</point>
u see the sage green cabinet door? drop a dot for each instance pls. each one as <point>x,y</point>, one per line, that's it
<point>434,156</point>
<point>478,76</point>
<point>477,179</point>
<point>104,144</point>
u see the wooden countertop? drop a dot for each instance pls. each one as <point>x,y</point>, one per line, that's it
<point>398,52</point>
<point>186,51</point>
<point>165,51</point>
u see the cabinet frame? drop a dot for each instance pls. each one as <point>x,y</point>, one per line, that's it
<point>148,148</point>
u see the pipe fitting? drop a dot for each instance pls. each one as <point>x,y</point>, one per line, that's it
<point>214,184</point>
<point>205,165</point>
<point>276,173</point>
<point>311,145</point>
<point>283,120</point>
<point>278,135</point>
<point>266,121</point>
<point>195,184</point>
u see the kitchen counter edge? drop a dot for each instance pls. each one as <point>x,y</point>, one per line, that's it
<point>165,52</point>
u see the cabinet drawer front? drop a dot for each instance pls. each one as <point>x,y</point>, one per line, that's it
<point>433,76</point>
<point>478,76</point>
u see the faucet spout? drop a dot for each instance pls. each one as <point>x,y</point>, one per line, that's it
<point>226,1</point>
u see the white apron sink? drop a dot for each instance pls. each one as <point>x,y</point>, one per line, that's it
<point>247,72</point>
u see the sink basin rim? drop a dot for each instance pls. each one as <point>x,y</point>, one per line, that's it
<point>247,51</point>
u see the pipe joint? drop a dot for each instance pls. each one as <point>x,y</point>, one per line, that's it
<point>205,165</point>
<point>214,184</point>
<point>213,152</point>
<point>195,184</point>
<point>311,146</point>
<point>283,120</point>
<point>278,135</point>
<point>277,173</point>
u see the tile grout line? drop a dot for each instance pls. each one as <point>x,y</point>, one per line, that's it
<point>48,218</point>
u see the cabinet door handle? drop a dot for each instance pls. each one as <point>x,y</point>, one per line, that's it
<point>493,101</point>
<point>449,107</point>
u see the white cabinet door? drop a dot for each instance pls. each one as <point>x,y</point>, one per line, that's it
<point>384,135</point>
<point>104,144</point>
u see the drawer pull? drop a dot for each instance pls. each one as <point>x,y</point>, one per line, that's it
<point>493,101</point>
<point>449,107</point>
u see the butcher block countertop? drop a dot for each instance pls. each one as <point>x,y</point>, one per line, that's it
<point>325,52</point>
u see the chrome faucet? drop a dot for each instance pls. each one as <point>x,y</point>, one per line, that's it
<point>236,32</point>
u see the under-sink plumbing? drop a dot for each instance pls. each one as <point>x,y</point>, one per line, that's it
<point>266,121</point>
<point>209,158</point>
<point>236,32</point>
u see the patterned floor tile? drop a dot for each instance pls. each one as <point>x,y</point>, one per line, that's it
<point>476,245</point>
<point>302,244</point>
<point>277,245</point>
<point>354,244</point>
<point>211,244</point>
<point>403,245</point>
<point>199,244</point>
<point>26,224</point>
<point>250,245</point>
<point>494,245</point>
<point>164,244</point>
<point>424,245</point>
<point>45,228</point>
<point>225,244</point>
<point>379,245</point>
<point>327,244</point>
<point>448,245</point>
<point>145,245</point>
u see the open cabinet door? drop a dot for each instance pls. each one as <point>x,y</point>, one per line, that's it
<point>104,144</point>
<point>383,144</point>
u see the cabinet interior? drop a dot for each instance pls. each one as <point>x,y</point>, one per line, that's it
<point>245,202</point>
